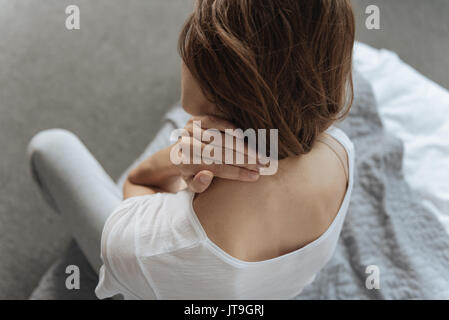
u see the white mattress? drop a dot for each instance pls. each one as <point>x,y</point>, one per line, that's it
<point>416,110</point>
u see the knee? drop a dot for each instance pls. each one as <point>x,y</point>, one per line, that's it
<point>48,142</point>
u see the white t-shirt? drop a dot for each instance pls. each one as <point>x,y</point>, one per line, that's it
<point>154,247</point>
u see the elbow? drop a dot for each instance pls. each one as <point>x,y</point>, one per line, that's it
<point>133,176</point>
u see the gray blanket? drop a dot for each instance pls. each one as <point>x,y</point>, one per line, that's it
<point>386,227</point>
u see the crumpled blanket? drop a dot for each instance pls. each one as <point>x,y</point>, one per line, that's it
<point>386,227</point>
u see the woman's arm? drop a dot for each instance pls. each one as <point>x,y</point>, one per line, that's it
<point>159,174</point>
<point>133,190</point>
<point>155,174</point>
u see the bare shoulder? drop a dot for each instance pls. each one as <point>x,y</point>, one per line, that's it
<point>277,214</point>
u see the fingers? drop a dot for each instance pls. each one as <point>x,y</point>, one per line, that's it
<point>211,122</point>
<point>201,165</point>
<point>224,171</point>
<point>234,173</point>
<point>202,153</point>
<point>228,130</point>
<point>201,181</point>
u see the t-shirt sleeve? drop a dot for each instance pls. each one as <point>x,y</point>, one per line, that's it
<point>121,272</point>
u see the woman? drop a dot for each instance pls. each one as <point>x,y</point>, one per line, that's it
<point>225,231</point>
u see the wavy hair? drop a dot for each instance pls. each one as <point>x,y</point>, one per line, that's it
<point>274,64</point>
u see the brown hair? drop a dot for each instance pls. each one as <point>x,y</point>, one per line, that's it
<point>274,64</point>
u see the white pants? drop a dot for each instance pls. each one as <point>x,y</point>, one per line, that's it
<point>75,185</point>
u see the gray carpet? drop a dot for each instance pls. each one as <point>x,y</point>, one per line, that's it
<point>417,30</point>
<point>110,83</point>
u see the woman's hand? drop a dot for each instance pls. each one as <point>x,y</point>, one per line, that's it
<point>199,175</point>
<point>159,174</point>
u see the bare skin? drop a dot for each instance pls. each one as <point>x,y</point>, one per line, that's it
<point>277,214</point>
<point>252,219</point>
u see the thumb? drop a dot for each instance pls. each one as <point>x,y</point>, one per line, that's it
<point>202,181</point>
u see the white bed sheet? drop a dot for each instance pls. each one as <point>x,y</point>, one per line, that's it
<point>416,110</point>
